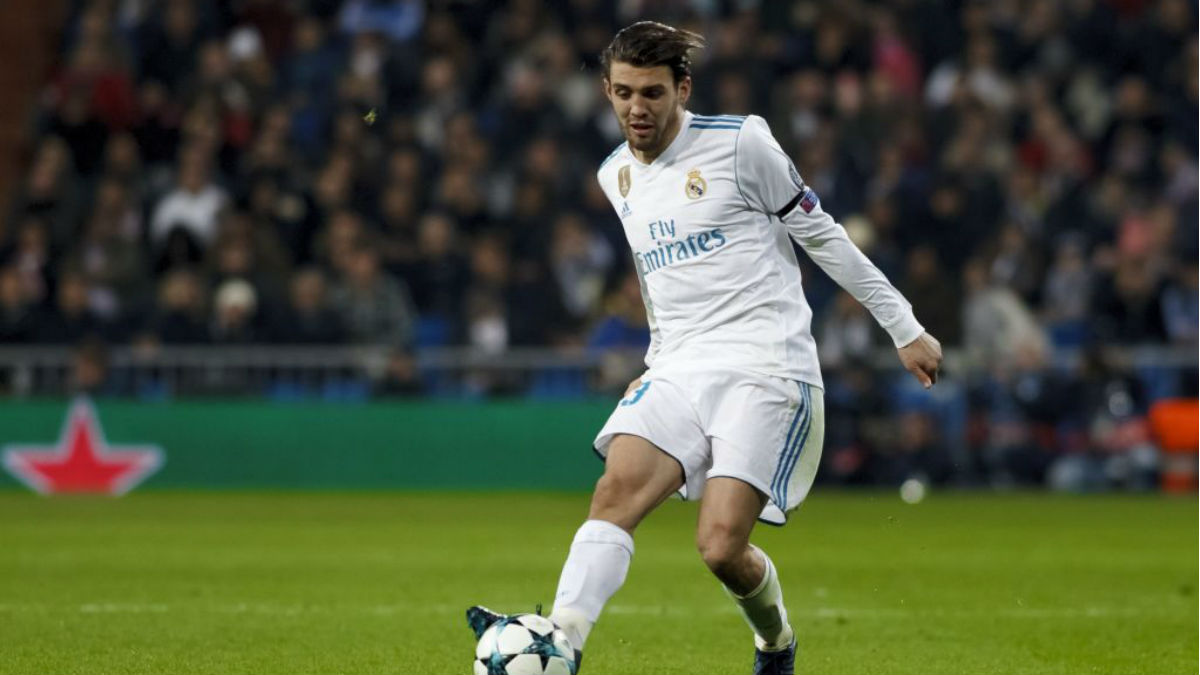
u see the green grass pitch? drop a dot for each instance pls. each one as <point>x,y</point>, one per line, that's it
<point>194,582</point>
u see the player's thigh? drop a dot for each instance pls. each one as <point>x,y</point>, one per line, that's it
<point>638,476</point>
<point>728,512</point>
<point>658,419</point>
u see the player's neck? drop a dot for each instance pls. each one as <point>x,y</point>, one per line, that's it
<point>672,130</point>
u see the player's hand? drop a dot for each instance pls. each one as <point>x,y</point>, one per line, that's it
<point>921,357</point>
<point>637,382</point>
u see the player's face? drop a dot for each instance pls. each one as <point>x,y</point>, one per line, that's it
<point>648,104</point>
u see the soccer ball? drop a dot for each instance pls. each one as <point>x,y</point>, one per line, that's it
<point>524,644</point>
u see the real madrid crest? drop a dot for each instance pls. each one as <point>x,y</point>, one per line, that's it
<point>624,181</point>
<point>695,187</point>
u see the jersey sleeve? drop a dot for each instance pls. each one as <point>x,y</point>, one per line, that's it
<point>771,184</point>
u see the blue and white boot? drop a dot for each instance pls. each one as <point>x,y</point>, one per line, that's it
<point>781,662</point>
<point>479,618</point>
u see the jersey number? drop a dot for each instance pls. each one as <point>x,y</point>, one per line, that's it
<point>636,395</point>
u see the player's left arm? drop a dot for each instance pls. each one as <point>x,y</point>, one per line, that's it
<point>769,181</point>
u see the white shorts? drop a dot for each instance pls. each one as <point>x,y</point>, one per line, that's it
<point>766,431</point>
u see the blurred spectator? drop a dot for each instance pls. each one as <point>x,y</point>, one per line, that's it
<point>580,261</point>
<point>847,331</point>
<point>308,317</point>
<point>509,304</point>
<point>16,312</point>
<point>375,306</point>
<point>89,368</point>
<point>158,130</point>
<point>623,325</point>
<point>78,126</point>
<point>93,96</point>
<point>488,319</point>
<point>51,192</point>
<point>1180,303</point>
<point>976,73</point>
<point>343,233</point>
<point>621,334</point>
<point>192,205</point>
<point>109,254</point>
<point>399,20</point>
<point>1115,449</point>
<point>250,250</point>
<point>1021,400</point>
<point>1126,308</point>
<point>997,325</point>
<point>69,320</point>
<point>235,308</point>
<point>934,293</point>
<point>179,315</point>
<point>1067,292</point>
<point>1015,264</point>
<point>172,38</point>
<point>400,376</point>
<point>438,272</point>
<point>858,423</point>
<point>31,255</point>
<point>399,213</point>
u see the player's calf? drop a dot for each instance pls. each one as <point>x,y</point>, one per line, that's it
<point>723,537</point>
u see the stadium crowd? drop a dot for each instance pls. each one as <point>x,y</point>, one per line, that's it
<point>422,174</point>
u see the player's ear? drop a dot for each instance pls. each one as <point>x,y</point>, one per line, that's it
<point>685,90</point>
<point>607,87</point>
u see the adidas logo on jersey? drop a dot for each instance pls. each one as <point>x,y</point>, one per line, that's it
<point>625,210</point>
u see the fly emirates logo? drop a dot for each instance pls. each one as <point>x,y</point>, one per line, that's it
<point>668,250</point>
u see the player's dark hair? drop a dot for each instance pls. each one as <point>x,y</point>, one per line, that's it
<point>646,44</point>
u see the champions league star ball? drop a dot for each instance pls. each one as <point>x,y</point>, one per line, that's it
<point>524,644</point>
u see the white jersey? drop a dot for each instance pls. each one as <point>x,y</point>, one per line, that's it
<point>709,222</point>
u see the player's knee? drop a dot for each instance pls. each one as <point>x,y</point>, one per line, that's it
<point>721,548</point>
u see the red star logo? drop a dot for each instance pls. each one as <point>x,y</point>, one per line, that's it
<point>82,461</point>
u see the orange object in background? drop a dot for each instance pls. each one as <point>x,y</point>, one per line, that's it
<point>1175,424</point>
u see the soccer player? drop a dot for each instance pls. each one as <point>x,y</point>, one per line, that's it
<point>730,410</point>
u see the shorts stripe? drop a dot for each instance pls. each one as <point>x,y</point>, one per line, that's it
<point>783,474</point>
<point>801,411</point>
<point>787,443</point>
<point>799,452</point>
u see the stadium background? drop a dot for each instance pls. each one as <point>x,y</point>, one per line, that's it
<point>346,264</point>
<point>366,201</point>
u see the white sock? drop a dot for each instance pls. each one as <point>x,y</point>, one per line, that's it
<point>764,611</point>
<point>595,569</point>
